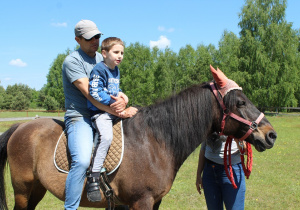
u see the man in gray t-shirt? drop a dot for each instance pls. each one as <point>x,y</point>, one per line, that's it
<point>76,66</point>
<point>76,72</point>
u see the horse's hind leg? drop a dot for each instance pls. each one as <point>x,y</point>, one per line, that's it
<point>22,192</point>
<point>28,195</point>
<point>37,194</point>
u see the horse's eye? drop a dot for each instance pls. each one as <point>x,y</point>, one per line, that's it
<point>241,104</point>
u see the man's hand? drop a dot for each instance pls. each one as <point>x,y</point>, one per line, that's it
<point>119,105</point>
<point>129,112</point>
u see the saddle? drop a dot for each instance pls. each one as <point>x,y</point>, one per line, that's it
<point>62,158</point>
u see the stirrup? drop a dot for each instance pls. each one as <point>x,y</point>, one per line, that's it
<point>93,189</point>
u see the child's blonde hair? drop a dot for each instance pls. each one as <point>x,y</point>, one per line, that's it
<point>109,42</point>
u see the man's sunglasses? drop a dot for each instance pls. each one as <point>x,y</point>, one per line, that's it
<point>96,37</point>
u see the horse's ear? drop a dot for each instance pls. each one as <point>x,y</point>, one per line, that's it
<point>219,76</point>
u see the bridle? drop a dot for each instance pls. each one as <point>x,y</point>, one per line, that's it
<point>252,125</point>
<point>227,150</point>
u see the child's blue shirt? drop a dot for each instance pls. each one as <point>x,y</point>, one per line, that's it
<point>103,83</point>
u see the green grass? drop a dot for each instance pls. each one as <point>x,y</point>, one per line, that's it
<point>274,182</point>
<point>6,114</point>
<point>7,124</point>
<point>30,113</point>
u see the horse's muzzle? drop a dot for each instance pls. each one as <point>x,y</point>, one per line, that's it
<point>271,138</point>
<point>267,143</point>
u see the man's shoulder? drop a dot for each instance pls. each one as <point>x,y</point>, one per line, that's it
<point>72,57</point>
<point>80,55</point>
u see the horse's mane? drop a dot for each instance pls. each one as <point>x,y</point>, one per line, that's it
<point>182,121</point>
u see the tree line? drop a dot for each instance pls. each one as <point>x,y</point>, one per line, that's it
<point>264,60</point>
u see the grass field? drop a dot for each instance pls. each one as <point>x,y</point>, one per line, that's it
<point>30,113</point>
<point>274,182</point>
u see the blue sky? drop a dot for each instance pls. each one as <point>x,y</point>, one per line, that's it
<point>34,32</point>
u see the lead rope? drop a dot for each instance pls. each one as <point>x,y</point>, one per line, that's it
<point>229,172</point>
<point>227,153</point>
<point>247,170</point>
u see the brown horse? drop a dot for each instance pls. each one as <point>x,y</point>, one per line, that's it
<point>158,139</point>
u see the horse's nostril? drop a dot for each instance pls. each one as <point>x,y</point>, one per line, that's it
<point>272,135</point>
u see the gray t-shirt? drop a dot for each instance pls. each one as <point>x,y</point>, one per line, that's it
<point>214,151</point>
<point>77,65</point>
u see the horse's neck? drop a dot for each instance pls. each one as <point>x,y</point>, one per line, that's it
<point>182,122</point>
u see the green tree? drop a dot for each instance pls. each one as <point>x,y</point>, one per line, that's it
<point>228,53</point>
<point>54,87</point>
<point>20,102</point>
<point>17,97</point>
<point>15,89</point>
<point>205,55</point>
<point>2,94</point>
<point>268,54</point>
<point>136,74</point>
<point>186,61</point>
<point>163,71</point>
<point>2,100</point>
<point>50,103</point>
<point>297,92</point>
<point>34,99</point>
<point>6,104</point>
<point>41,96</point>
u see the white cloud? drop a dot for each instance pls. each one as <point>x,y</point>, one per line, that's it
<point>59,24</point>
<point>17,62</point>
<point>170,30</point>
<point>7,79</point>
<point>162,43</point>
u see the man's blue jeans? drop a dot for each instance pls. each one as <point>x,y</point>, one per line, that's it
<point>218,188</point>
<point>80,143</point>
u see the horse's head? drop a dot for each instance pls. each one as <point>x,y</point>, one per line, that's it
<point>242,119</point>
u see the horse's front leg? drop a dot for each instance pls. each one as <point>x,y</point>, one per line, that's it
<point>156,205</point>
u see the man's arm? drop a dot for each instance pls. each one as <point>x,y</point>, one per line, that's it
<point>83,85</point>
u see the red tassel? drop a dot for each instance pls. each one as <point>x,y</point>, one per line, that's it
<point>248,169</point>
<point>227,152</point>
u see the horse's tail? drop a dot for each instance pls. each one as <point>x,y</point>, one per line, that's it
<point>3,159</point>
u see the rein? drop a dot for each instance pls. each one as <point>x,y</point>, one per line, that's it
<point>227,150</point>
